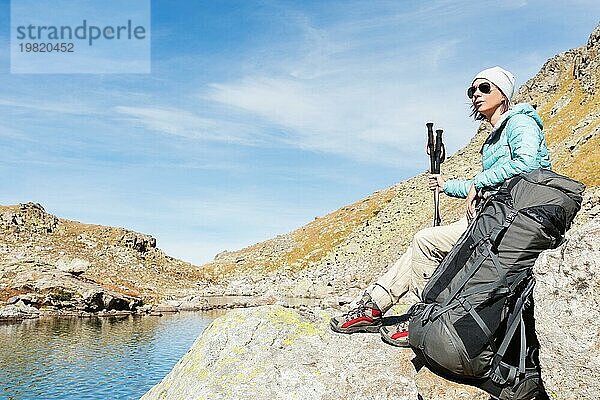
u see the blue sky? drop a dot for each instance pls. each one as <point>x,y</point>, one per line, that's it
<point>260,115</point>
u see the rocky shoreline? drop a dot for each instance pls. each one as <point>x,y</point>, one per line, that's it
<point>18,310</point>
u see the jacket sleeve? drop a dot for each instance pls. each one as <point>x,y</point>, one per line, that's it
<point>457,187</point>
<point>524,138</point>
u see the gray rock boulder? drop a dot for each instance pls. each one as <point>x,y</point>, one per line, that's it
<point>47,286</point>
<point>19,310</point>
<point>272,352</point>
<point>138,241</point>
<point>76,266</point>
<point>567,312</point>
<point>28,218</point>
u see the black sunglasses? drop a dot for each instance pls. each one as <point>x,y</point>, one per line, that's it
<point>484,87</point>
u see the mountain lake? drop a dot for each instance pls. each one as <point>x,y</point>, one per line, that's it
<point>94,358</point>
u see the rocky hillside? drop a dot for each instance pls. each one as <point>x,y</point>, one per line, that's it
<point>567,94</point>
<point>349,247</point>
<point>59,264</point>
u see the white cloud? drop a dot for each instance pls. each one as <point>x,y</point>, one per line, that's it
<point>357,87</point>
<point>54,107</point>
<point>190,125</point>
<point>365,116</point>
<point>7,132</point>
<point>513,4</point>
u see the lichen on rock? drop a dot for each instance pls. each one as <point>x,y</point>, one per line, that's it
<point>272,352</point>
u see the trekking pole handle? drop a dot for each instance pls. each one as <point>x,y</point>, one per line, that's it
<point>434,150</point>
<point>431,146</point>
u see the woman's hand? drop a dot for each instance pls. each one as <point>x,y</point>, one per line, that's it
<point>436,181</point>
<point>471,201</point>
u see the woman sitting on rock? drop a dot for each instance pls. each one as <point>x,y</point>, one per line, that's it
<point>515,145</point>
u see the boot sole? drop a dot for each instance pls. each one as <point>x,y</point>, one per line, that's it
<point>403,344</point>
<point>355,329</point>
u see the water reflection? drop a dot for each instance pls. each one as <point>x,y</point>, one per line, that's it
<point>96,358</point>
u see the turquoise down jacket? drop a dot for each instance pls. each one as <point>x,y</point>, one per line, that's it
<point>516,145</point>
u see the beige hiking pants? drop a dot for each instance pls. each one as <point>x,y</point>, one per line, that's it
<point>413,269</point>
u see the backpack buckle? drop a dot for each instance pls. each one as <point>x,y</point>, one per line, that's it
<point>511,217</point>
<point>465,303</point>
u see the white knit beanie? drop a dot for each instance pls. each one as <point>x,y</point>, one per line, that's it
<point>503,79</point>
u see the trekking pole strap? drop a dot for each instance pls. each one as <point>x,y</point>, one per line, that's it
<point>436,204</point>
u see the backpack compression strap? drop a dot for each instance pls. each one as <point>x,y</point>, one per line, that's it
<point>515,320</point>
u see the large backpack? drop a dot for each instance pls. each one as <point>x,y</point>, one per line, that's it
<point>475,322</point>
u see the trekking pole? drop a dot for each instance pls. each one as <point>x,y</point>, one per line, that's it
<point>440,156</point>
<point>437,154</point>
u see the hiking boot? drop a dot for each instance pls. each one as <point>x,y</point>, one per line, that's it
<point>396,335</point>
<point>365,317</point>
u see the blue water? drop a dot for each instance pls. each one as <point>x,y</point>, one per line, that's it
<point>97,358</point>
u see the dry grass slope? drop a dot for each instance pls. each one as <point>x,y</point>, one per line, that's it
<point>321,236</point>
<point>307,244</point>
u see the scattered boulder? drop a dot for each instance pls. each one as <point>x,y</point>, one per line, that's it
<point>164,308</point>
<point>272,352</point>
<point>18,310</point>
<point>119,302</point>
<point>74,267</point>
<point>26,298</point>
<point>137,241</point>
<point>93,299</point>
<point>567,313</point>
<point>29,217</point>
<point>43,285</point>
